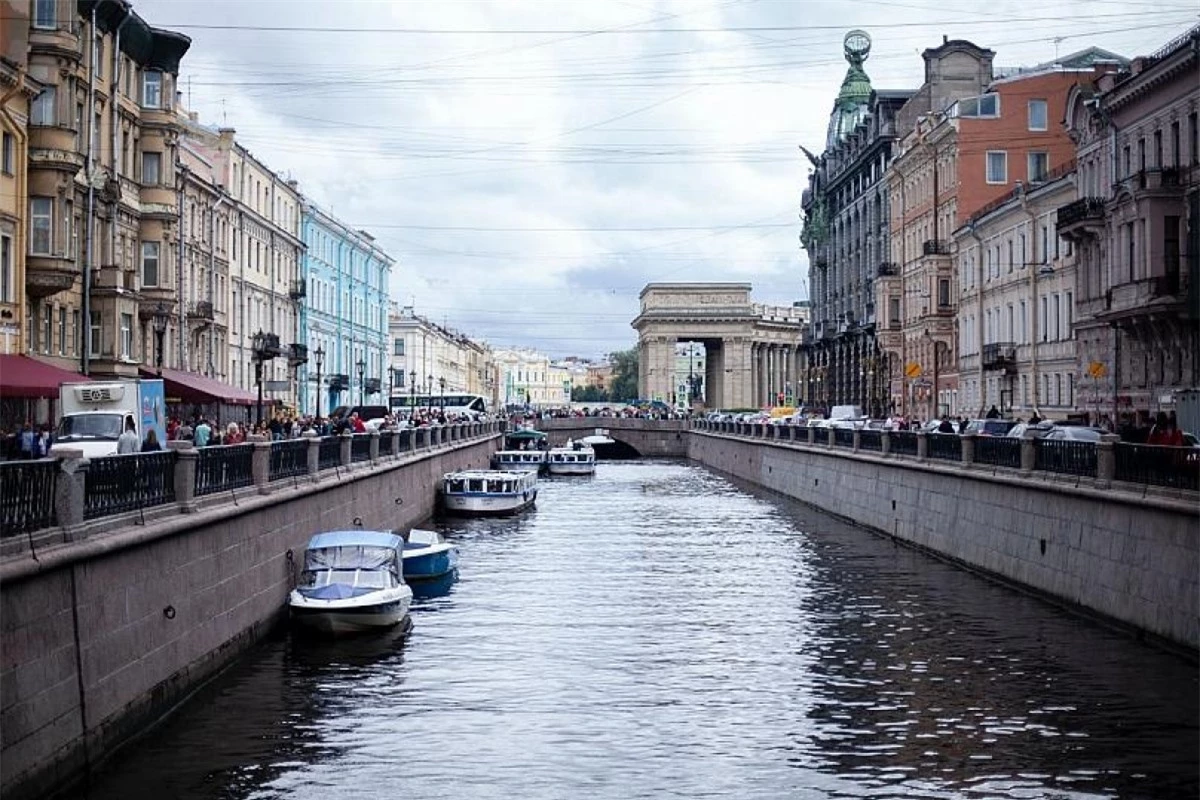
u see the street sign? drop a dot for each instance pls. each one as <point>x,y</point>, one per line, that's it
<point>912,369</point>
<point>1097,369</point>
<point>276,386</point>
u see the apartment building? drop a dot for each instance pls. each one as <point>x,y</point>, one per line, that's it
<point>1136,226</point>
<point>343,313</point>
<point>527,378</point>
<point>427,357</point>
<point>102,150</point>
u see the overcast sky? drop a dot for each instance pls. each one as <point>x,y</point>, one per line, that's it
<point>532,165</point>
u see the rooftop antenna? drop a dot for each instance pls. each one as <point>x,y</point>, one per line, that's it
<point>189,100</point>
<point>224,114</point>
<point>1057,40</point>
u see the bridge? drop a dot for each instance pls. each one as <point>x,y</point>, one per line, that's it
<point>632,436</point>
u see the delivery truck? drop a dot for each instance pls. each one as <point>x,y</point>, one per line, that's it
<point>95,413</point>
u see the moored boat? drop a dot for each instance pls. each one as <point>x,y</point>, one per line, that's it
<point>352,582</point>
<point>482,491</point>
<point>427,555</point>
<point>574,459</point>
<point>519,460</point>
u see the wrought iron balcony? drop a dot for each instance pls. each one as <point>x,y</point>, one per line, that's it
<point>200,310</point>
<point>888,269</point>
<point>298,290</point>
<point>297,354</point>
<point>936,247</point>
<point>999,355</point>
<point>339,383</point>
<point>1082,210</point>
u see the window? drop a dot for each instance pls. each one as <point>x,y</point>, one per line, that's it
<point>42,110</point>
<point>1037,115</point>
<point>1045,319</point>
<point>1021,335</point>
<point>41,225</point>
<point>1039,166</point>
<point>43,14</point>
<point>126,335</point>
<point>987,105</point>
<point>997,166</point>
<point>1175,160</point>
<point>7,279</point>
<point>1158,150</point>
<point>151,169</point>
<point>1070,313</point>
<point>75,349</point>
<point>47,328</point>
<point>1010,256</point>
<point>150,263</point>
<point>944,292</point>
<point>62,331</point>
<point>1193,139</point>
<point>8,155</point>
<point>398,347</point>
<point>152,89</point>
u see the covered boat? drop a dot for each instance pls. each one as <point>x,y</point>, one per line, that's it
<point>576,458</point>
<point>519,460</point>
<point>352,582</point>
<point>427,555</point>
<point>482,491</point>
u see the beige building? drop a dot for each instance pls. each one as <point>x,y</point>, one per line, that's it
<point>424,354</point>
<point>103,137</point>
<point>526,377</point>
<point>1017,282</point>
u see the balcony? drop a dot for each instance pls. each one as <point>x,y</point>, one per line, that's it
<point>110,280</point>
<point>339,383</point>
<point>1000,355</point>
<point>54,147</point>
<point>297,354</point>
<point>298,289</point>
<point>936,247</point>
<point>200,311</point>
<point>888,269</point>
<point>1086,212</point>
<point>47,275</point>
<point>1145,296</point>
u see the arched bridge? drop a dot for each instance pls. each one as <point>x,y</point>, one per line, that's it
<point>647,437</point>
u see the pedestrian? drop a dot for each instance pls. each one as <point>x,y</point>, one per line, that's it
<point>993,413</point>
<point>151,444</point>
<point>128,441</point>
<point>945,426</point>
<point>203,433</point>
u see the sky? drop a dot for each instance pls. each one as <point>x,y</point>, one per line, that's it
<point>532,165</point>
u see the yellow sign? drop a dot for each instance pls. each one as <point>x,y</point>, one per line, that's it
<point>1097,369</point>
<point>912,369</point>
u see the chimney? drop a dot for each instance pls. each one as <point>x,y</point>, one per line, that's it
<point>945,39</point>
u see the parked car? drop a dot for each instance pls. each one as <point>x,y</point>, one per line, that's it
<point>372,416</point>
<point>1039,429</point>
<point>1074,433</point>
<point>989,427</point>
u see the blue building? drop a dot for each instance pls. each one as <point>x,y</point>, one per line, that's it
<point>343,314</point>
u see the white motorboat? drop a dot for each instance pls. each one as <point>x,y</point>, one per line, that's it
<point>519,460</point>
<point>488,491</point>
<point>352,582</point>
<point>576,458</point>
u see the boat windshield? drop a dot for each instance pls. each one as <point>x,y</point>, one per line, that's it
<point>350,558</point>
<point>366,578</point>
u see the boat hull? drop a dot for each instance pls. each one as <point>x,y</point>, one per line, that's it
<point>572,469</point>
<point>352,615</point>
<point>429,565</point>
<point>488,504</point>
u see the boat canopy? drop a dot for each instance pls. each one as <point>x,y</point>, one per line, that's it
<point>370,550</point>
<point>526,433</point>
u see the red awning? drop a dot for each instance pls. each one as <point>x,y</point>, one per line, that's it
<point>22,376</point>
<point>191,387</point>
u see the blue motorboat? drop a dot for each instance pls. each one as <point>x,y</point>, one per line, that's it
<point>352,581</point>
<point>427,555</point>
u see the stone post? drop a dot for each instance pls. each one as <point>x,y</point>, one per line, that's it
<point>314,453</point>
<point>344,455</point>
<point>1028,452</point>
<point>830,437</point>
<point>812,435</point>
<point>187,459</point>
<point>395,449</point>
<point>374,446</point>
<point>885,442</point>
<point>70,486</point>
<point>260,463</point>
<point>857,440</point>
<point>968,449</point>
<point>922,445</point>
<point>412,440</point>
<point>1106,459</point>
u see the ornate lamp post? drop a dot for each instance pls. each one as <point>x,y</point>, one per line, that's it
<point>160,320</point>
<point>319,358</point>
<point>261,347</point>
<point>442,385</point>
<point>429,390</point>
<point>412,394</point>
<point>362,391</point>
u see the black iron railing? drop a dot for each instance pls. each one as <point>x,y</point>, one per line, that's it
<point>288,458</point>
<point>27,496</point>
<point>843,437</point>
<point>224,467</point>
<point>126,483</point>
<point>329,452</point>
<point>385,442</point>
<point>1000,451</point>
<point>945,446</point>
<point>360,448</point>
<point>1158,466</point>
<point>870,440</point>
<point>903,443</point>
<point>405,439</point>
<point>1071,458</point>
<point>1083,208</point>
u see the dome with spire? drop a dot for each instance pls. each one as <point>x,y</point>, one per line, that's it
<point>852,104</point>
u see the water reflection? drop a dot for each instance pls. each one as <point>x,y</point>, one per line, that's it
<point>659,631</point>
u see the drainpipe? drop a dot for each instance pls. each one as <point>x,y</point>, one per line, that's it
<point>212,270</point>
<point>21,155</point>
<point>903,291</point>
<point>181,182</point>
<point>971,228</point>
<point>85,356</point>
<point>1033,278</point>
<point>116,124</point>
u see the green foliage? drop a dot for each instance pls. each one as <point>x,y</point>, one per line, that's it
<point>588,394</point>
<point>624,384</point>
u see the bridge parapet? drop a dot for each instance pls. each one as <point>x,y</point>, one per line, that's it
<point>659,438</point>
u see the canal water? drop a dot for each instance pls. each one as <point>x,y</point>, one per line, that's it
<point>657,631</point>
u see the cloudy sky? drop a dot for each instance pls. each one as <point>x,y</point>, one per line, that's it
<point>532,164</point>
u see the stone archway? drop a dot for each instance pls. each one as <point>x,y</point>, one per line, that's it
<point>753,351</point>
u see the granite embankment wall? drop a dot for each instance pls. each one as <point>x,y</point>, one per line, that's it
<point>104,634</point>
<point>1129,557</point>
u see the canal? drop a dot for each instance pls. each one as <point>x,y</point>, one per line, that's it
<point>658,631</point>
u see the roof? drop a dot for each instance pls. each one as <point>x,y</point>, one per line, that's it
<point>526,433</point>
<point>354,538</point>
<point>192,387</point>
<point>22,376</point>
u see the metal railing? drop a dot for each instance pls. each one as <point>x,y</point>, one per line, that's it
<point>1178,467</point>
<point>870,440</point>
<point>945,446</point>
<point>224,467</point>
<point>999,451</point>
<point>329,454</point>
<point>114,484</point>
<point>27,496</point>
<point>288,459</point>
<point>843,437</point>
<point>1071,458</point>
<point>360,448</point>
<point>902,443</point>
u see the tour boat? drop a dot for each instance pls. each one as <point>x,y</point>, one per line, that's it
<point>519,460</point>
<point>488,491</point>
<point>427,555</point>
<point>574,459</point>
<point>352,582</point>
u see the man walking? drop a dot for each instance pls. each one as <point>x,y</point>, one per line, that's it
<point>128,441</point>
<point>203,433</point>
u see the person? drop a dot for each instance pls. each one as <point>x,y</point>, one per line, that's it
<point>185,432</point>
<point>128,442</point>
<point>1165,433</point>
<point>993,413</point>
<point>151,444</point>
<point>356,423</point>
<point>946,426</point>
<point>28,441</point>
<point>1034,419</point>
<point>963,422</point>
<point>203,433</point>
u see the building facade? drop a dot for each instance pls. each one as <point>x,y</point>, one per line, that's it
<point>846,238</point>
<point>526,378</point>
<point>102,148</point>
<point>1136,226</point>
<point>427,358</point>
<point>1016,337</point>
<point>343,312</point>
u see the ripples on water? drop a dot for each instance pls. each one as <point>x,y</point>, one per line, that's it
<point>659,632</point>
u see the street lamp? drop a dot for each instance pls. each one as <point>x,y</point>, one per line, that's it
<point>412,395</point>
<point>429,390</point>
<point>362,392</point>
<point>160,320</point>
<point>937,343</point>
<point>319,357</point>
<point>263,346</point>
<point>442,385</point>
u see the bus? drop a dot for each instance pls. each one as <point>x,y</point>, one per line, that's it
<point>456,403</point>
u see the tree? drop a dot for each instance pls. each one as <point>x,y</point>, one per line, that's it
<point>588,394</point>
<point>624,384</point>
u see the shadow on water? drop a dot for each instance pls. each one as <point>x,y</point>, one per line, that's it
<point>430,588</point>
